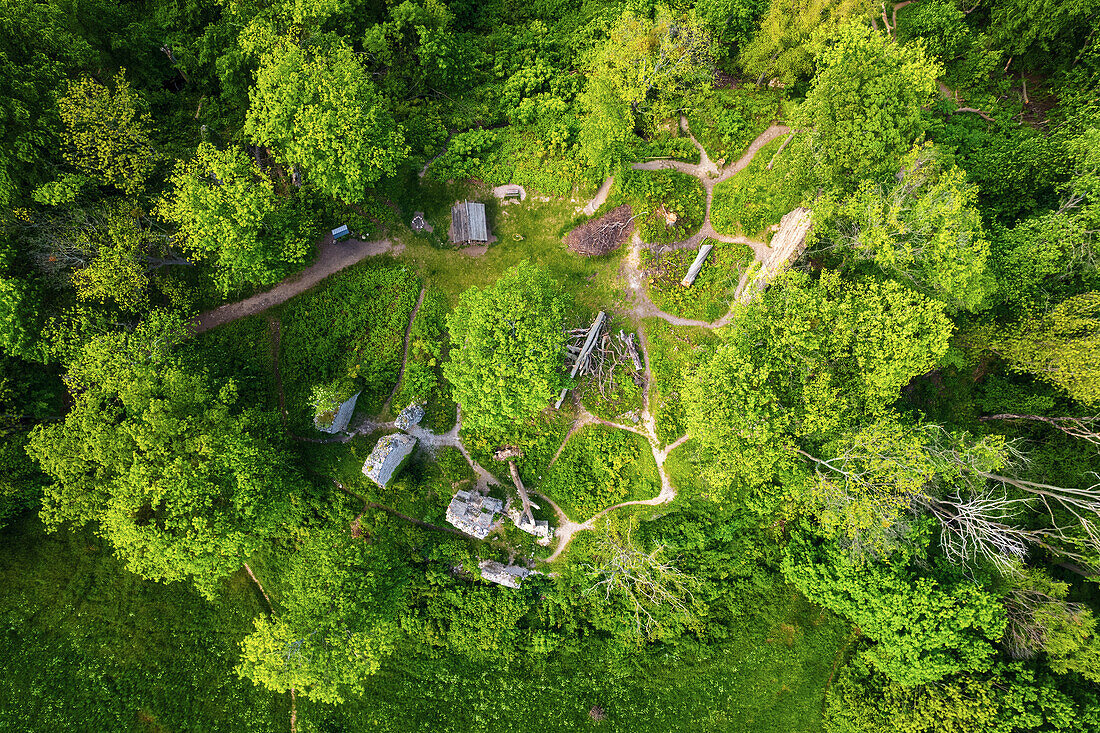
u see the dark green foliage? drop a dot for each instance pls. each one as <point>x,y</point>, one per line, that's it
<point>87,644</point>
<point>670,206</point>
<point>601,466</point>
<point>354,328</point>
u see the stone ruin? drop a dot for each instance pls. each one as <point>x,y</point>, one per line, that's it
<point>540,528</point>
<point>340,417</point>
<point>410,416</point>
<point>387,456</point>
<point>501,574</point>
<point>473,513</point>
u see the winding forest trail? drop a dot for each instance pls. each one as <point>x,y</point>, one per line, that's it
<point>331,258</point>
<point>709,175</point>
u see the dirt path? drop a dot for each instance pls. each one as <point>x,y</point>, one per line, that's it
<point>331,258</point>
<point>709,175</point>
<point>405,357</point>
<point>598,200</point>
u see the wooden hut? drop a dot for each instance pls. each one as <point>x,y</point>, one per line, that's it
<point>468,223</point>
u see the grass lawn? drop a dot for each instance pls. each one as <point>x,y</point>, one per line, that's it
<point>756,198</point>
<point>87,645</point>
<point>708,298</point>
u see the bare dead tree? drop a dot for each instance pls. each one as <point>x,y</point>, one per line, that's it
<point>645,579</point>
<point>980,527</point>
<point>1085,428</point>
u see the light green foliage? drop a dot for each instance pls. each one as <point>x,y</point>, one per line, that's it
<point>118,270</point>
<point>339,617</point>
<point>791,36</point>
<point>924,229</point>
<point>107,133</point>
<point>229,213</point>
<point>865,104</point>
<point>651,67</point>
<point>757,198</point>
<point>669,206</point>
<point>320,110</point>
<point>351,333</point>
<point>865,701</point>
<point>809,360</point>
<point>924,627</point>
<point>665,61</point>
<point>601,466</point>
<point>728,120</point>
<point>506,361</point>
<point>1008,699</point>
<point>1061,347</point>
<point>180,481</point>
<point>1041,620</point>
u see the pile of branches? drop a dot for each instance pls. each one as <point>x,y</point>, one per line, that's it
<point>604,235</point>
<point>610,352</point>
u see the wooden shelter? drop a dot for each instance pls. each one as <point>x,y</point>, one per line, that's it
<point>468,223</point>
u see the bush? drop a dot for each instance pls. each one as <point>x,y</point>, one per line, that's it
<point>657,196</point>
<point>599,467</point>
<point>423,379</point>
<point>353,326</point>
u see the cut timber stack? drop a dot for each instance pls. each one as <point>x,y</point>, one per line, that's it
<point>693,271</point>
<point>589,342</point>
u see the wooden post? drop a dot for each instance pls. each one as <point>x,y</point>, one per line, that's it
<point>693,271</point>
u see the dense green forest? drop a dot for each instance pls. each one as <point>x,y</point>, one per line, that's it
<point>843,478</point>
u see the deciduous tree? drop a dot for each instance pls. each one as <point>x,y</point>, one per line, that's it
<point>228,212</point>
<point>181,480</point>
<point>507,361</point>
<point>865,104</point>
<point>321,112</point>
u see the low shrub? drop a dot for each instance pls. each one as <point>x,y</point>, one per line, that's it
<point>708,298</point>
<point>599,467</point>
<point>756,198</point>
<point>669,206</point>
<point>730,119</point>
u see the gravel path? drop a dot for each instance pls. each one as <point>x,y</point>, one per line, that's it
<point>331,258</point>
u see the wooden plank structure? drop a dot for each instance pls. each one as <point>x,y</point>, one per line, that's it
<point>583,354</point>
<point>786,246</point>
<point>468,223</point>
<point>693,271</point>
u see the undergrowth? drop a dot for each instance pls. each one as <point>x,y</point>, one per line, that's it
<point>708,298</point>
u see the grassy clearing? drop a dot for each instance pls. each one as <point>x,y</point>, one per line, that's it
<point>730,119</point>
<point>540,226</point>
<point>86,645</point>
<point>673,352</point>
<point>353,329</point>
<point>708,299</point>
<point>756,198</point>
<point>601,466</point>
